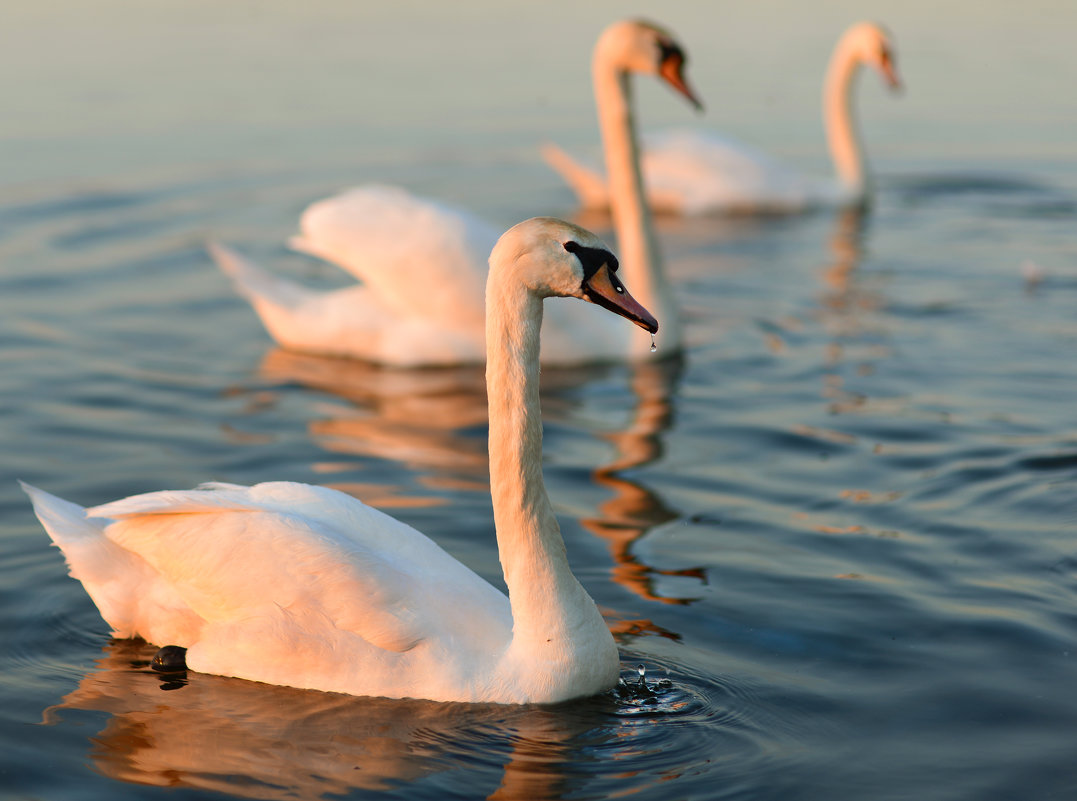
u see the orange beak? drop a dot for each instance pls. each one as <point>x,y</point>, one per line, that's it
<point>889,72</point>
<point>606,290</point>
<point>672,71</point>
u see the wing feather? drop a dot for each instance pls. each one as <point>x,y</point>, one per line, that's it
<point>328,559</point>
<point>420,257</point>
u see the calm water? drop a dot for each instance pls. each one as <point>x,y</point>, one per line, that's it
<point>841,528</point>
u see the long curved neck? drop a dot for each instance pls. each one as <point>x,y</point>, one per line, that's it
<point>843,133</point>
<point>542,589</point>
<point>639,256</point>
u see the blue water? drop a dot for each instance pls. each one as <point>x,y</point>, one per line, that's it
<point>838,533</point>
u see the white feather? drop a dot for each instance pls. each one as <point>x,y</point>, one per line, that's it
<point>693,172</point>
<point>305,586</point>
<point>422,264</point>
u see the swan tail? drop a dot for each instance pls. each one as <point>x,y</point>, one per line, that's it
<point>65,522</point>
<point>589,186</point>
<point>293,315</point>
<point>255,284</point>
<point>111,575</point>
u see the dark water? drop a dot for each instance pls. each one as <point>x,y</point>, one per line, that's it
<point>839,533</point>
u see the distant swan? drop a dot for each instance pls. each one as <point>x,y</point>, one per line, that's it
<point>422,264</point>
<point>304,586</point>
<point>688,172</point>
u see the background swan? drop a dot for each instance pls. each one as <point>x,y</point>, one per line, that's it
<point>422,264</point>
<point>304,586</point>
<point>691,172</point>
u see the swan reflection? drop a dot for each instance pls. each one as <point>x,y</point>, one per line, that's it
<point>848,309</point>
<point>431,420</point>
<point>263,741</point>
<point>634,509</point>
<point>843,296</point>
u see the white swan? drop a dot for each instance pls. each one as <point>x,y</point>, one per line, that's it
<point>422,264</point>
<point>689,172</point>
<point>305,586</point>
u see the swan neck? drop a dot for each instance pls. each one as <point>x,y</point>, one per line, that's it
<point>638,252</point>
<point>843,131</point>
<point>542,589</point>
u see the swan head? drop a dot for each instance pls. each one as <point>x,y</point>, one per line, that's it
<point>641,46</point>
<point>871,44</point>
<point>554,258</point>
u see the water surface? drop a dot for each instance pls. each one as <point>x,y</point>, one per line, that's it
<point>840,527</point>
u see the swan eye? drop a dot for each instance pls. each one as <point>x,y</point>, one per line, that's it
<point>668,50</point>
<point>592,259</point>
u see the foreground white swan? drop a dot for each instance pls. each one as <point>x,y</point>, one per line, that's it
<point>422,264</point>
<point>307,587</point>
<point>690,172</point>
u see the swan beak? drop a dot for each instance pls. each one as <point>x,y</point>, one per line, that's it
<point>889,72</point>
<point>672,72</point>
<point>605,289</point>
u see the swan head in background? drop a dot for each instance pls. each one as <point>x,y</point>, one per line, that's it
<point>643,47</point>
<point>871,44</point>
<point>554,258</point>
<point>863,44</point>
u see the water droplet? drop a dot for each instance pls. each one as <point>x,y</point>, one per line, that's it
<point>654,347</point>
<point>641,670</point>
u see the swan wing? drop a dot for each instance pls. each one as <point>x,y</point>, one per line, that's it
<point>310,558</point>
<point>421,258</point>
<point>352,322</point>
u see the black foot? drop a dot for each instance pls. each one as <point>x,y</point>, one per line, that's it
<point>170,659</point>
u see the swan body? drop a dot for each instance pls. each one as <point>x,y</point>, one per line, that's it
<point>422,264</point>
<point>422,268</point>
<point>308,587</point>
<point>689,172</point>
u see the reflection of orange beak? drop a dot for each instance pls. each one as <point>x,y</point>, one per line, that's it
<point>606,290</point>
<point>672,71</point>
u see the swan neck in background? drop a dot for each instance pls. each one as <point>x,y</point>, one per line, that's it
<point>641,263</point>
<point>542,590</point>
<point>842,129</point>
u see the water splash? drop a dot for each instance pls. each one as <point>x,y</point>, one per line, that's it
<point>639,695</point>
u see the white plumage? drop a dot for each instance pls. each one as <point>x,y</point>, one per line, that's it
<point>422,264</point>
<point>422,268</point>
<point>304,586</point>
<point>695,172</point>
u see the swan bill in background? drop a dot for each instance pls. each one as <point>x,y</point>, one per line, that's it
<point>671,70</point>
<point>888,69</point>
